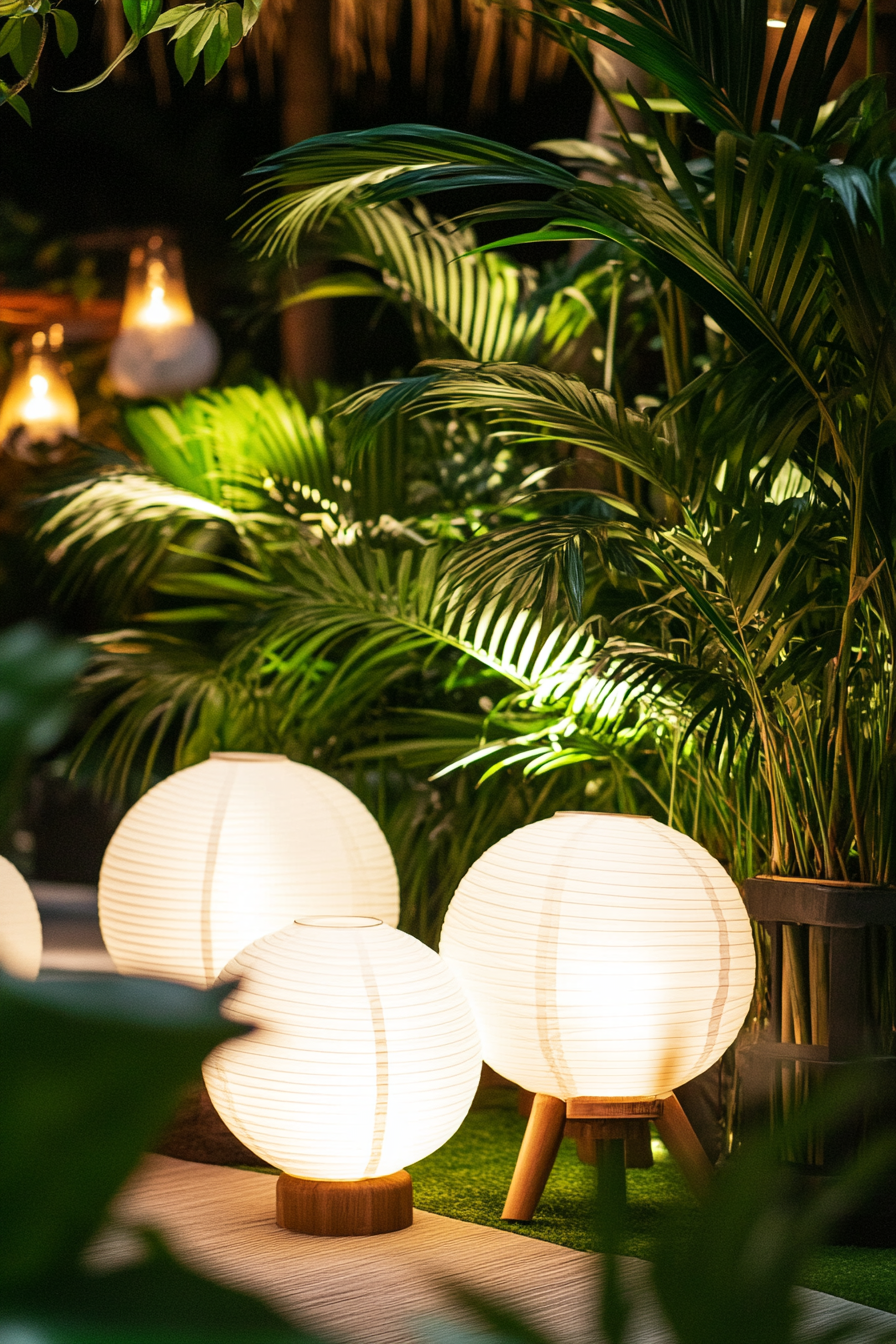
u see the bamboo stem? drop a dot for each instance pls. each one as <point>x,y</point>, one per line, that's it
<point>612,326</point>
<point>819,984</point>
<point>795,969</point>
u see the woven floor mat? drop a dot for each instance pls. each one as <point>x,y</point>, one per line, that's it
<point>391,1289</point>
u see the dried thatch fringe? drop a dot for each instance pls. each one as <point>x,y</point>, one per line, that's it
<point>363,32</point>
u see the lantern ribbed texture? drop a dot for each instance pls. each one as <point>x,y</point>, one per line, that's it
<point>367,1057</point>
<point>21,937</point>
<point>604,955</point>
<point>223,852</point>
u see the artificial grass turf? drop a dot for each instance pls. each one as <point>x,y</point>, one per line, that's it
<point>469,1176</point>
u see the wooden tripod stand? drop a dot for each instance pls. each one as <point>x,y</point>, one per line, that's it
<point>599,1122</point>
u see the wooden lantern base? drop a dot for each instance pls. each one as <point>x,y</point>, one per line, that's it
<point>345,1208</point>
<point>598,1121</point>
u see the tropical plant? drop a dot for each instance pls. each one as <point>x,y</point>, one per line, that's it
<point>765,552</point>
<point>263,613</point>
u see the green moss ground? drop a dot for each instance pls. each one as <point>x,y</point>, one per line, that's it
<point>469,1176</point>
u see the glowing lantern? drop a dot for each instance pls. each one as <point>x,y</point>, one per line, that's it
<point>225,851</point>
<point>367,1058</point>
<point>162,348</point>
<point>21,940</point>
<point>605,956</point>
<point>39,407</point>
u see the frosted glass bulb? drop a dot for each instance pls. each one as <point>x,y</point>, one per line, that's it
<point>21,938</point>
<point>604,956</point>
<point>366,1058</point>
<point>162,349</point>
<point>225,851</point>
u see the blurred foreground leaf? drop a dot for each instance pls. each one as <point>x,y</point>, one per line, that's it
<point>92,1067</point>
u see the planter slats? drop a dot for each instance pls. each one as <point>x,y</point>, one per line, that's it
<point>818,944</point>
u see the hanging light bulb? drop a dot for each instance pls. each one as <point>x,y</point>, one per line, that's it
<point>162,348</point>
<point>39,408</point>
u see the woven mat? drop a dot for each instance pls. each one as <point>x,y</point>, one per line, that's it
<point>392,1289</point>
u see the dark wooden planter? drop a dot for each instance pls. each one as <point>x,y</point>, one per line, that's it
<point>834,919</point>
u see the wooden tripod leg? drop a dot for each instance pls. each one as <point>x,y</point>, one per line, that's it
<point>676,1132</point>
<point>538,1152</point>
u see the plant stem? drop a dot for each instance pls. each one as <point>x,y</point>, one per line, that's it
<point>26,79</point>
<point>612,325</point>
<point>871,34</point>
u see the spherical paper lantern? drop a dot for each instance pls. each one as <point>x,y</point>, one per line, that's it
<point>223,852</point>
<point>21,939</point>
<point>605,956</point>
<point>366,1058</point>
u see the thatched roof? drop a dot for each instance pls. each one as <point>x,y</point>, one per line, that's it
<point>362,40</point>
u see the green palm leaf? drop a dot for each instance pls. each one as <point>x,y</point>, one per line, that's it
<point>224,444</point>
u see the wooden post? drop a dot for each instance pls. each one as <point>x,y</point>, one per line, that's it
<point>674,1128</point>
<point>538,1152</point>
<point>306,328</point>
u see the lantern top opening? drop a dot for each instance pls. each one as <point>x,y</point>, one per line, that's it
<point>264,756</point>
<point>339,922</point>
<point>632,816</point>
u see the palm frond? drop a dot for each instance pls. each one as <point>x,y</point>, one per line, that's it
<point>313,180</point>
<point>225,444</point>
<point>712,56</point>
<point>113,534</point>
<point>461,302</point>
<point>757,280</point>
<point>525,404</point>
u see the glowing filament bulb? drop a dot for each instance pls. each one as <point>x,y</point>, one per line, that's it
<point>38,406</point>
<point>157,312</point>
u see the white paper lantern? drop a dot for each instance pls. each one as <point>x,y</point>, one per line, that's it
<point>604,955</point>
<point>21,938</point>
<point>367,1056</point>
<point>223,852</point>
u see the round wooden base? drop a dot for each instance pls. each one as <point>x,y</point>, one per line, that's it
<point>345,1208</point>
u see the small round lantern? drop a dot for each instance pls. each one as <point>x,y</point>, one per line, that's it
<point>367,1058</point>
<point>162,349</point>
<point>608,960</point>
<point>21,939</point>
<point>225,851</point>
